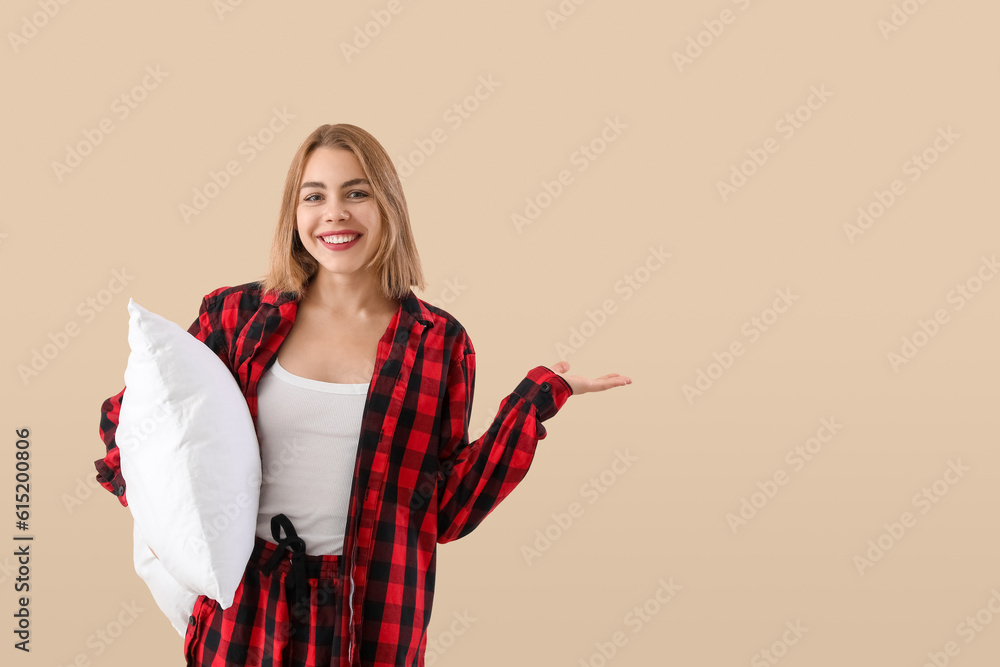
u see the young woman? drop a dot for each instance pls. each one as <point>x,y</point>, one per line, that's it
<point>361,394</point>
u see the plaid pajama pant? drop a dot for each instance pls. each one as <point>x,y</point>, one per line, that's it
<point>284,613</point>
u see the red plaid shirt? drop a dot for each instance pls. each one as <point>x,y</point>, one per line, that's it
<point>418,481</point>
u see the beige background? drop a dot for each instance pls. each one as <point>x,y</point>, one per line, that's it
<point>521,293</point>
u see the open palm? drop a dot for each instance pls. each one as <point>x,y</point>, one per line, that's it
<point>582,385</point>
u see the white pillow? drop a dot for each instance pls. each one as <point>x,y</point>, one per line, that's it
<point>189,456</point>
<point>174,600</point>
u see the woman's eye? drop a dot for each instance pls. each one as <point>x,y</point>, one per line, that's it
<point>361,194</point>
<point>310,197</point>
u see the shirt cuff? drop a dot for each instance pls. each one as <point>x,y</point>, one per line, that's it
<point>546,390</point>
<point>114,483</point>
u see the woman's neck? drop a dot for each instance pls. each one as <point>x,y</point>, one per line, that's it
<point>346,298</point>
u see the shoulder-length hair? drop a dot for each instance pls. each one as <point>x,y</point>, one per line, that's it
<point>396,261</point>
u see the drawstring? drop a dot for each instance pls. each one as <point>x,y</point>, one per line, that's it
<point>295,544</point>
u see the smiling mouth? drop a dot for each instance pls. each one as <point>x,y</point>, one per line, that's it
<point>338,239</point>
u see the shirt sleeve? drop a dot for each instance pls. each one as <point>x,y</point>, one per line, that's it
<point>109,473</point>
<point>475,477</point>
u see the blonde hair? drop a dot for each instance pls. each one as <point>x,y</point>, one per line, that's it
<point>396,260</point>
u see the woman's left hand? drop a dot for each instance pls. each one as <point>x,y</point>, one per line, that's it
<point>582,385</point>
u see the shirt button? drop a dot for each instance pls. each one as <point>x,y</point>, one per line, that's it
<point>119,490</point>
<point>545,386</point>
<point>191,621</point>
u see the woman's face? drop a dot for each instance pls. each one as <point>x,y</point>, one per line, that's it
<point>335,197</point>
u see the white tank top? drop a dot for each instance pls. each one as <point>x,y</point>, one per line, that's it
<point>308,432</point>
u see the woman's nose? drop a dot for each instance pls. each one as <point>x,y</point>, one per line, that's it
<point>336,211</point>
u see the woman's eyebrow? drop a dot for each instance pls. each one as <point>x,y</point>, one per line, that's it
<point>345,184</point>
<point>354,181</point>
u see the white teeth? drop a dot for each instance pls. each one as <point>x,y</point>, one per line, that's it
<point>340,238</point>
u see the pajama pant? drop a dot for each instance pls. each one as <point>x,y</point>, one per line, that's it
<point>284,613</point>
